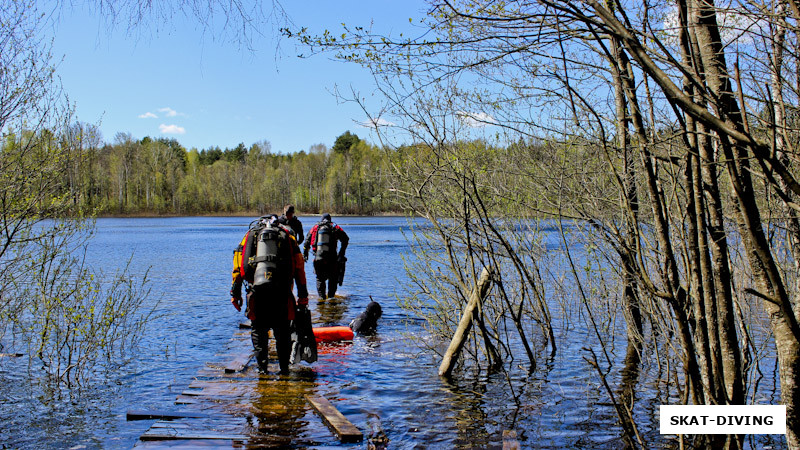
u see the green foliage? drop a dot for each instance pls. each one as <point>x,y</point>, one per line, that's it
<point>160,176</point>
<point>208,157</point>
<point>70,319</point>
<point>74,322</point>
<point>345,142</point>
<point>237,154</point>
<point>53,177</point>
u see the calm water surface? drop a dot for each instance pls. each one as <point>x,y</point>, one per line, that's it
<point>189,262</point>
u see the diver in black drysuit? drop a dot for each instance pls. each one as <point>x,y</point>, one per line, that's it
<point>323,239</point>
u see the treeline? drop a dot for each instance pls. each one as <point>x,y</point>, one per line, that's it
<point>159,176</point>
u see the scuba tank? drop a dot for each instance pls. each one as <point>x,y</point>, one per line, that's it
<point>266,260</point>
<point>247,252</point>
<point>325,243</point>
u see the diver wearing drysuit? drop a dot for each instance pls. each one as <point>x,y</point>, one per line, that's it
<point>322,239</point>
<point>269,262</point>
<point>289,219</point>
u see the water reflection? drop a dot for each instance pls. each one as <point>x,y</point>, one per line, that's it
<point>629,384</point>
<point>279,409</point>
<point>467,407</point>
<point>332,311</point>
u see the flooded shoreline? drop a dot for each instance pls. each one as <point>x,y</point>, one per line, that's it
<point>561,404</point>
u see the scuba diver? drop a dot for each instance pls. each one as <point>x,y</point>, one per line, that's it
<point>328,264</point>
<point>290,220</point>
<point>268,262</point>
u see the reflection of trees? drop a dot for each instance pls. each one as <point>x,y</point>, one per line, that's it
<point>467,409</point>
<point>630,376</point>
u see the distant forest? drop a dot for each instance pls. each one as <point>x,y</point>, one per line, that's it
<point>159,176</point>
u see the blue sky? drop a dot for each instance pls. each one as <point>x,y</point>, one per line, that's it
<point>186,82</point>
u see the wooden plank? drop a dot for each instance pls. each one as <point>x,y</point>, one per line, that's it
<point>170,425</point>
<point>194,393</point>
<point>218,373</point>
<point>164,434</point>
<point>184,400</point>
<point>162,415</point>
<point>246,324</point>
<point>222,383</point>
<point>510,441</point>
<point>217,424</point>
<point>346,431</point>
<point>220,428</point>
<point>239,362</point>
<point>11,355</point>
<point>220,389</point>
<point>216,392</point>
<point>249,383</point>
<point>193,444</point>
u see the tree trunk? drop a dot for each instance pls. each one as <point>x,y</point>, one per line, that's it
<point>767,277</point>
<point>629,203</point>
<point>461,333</point>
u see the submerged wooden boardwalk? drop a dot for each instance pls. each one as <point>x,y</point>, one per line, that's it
<point>232,405</point>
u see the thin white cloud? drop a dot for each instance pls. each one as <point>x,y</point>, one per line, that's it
<point>171,129</point>
<point>148,115</point>
<point>375,123</point>
<point>169,112</point>
<point>475,119</point>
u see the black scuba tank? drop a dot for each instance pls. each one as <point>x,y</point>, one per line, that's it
<point>248,254</point>
<point>267,259</point>
<point>325,242</point>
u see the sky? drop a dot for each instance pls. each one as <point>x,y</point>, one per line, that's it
<point>178,79</point>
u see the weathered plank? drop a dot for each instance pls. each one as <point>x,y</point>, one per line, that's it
<point>239,362</point>
<point>221,383</point>
<point>194,393</point>
<point>219,391</point>
<point>235,384</point>
<point>184,400</point>
<point>194,444</point>
<point>226,395</point>
<point>196,429</point>
<point>510,441</point>
<point>219,373</point>
<point>164,434</point>
<point>170,425</point>
<point>162,415</point>
<point>346,431</point>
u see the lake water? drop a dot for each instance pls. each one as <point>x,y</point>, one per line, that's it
<point>562,405</point>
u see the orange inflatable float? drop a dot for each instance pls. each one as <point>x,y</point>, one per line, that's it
<point>330,334</point>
